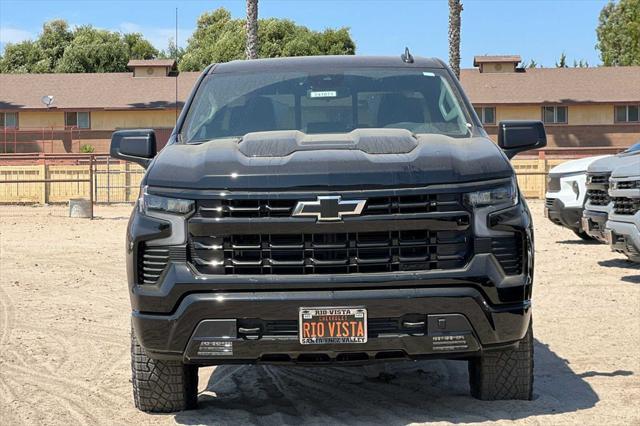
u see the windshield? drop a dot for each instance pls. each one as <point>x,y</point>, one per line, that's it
<point>232,105</point>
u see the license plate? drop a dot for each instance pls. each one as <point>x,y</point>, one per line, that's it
<point>585,224</point>
<point>333,325</point>
<point>546,213</point>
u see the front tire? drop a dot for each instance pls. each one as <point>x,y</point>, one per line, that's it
<point>505,373</point>
<point>161,386</point>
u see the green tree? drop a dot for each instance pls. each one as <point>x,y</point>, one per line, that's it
<point>94,50</point>
<point>26,56</point>
<point>562,62</point>
<point>220,38</point>
<point>139,47</point>
<point>54,39</point>
<point>172,52</point>
<point>619,33</point>
<point>83,49</point>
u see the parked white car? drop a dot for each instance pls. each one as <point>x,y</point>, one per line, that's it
<point>566,193</point>
<point>623,225</point>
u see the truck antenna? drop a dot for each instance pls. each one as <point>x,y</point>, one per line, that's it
<point>406,56</point>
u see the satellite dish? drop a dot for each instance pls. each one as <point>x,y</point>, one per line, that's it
<point>47,100</point>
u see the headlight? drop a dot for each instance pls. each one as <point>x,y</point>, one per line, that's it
<point>150,202</point>
<point>500,196</point>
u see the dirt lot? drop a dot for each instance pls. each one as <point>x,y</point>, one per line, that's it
<point>64,336</point>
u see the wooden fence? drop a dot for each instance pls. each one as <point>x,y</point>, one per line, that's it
<point>118,182</point>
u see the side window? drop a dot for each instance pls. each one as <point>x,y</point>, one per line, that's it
<point>80,120</point>
<point>554,114</point>
<point>627,113</point>
<point>487,115</point>
<point>9,120</point>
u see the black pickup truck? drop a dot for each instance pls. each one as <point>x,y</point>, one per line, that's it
<point>329,210</point>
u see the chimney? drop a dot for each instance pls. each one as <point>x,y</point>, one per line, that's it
<point>497,63</point>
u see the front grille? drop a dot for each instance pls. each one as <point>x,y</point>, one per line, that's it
<point>152,261</point>
<point>396,204</point>
<point>548,202</point>
<point>599,179</point>
<point>628,184</point>
<point>509,253</point>
<point>626,206</point>
<point>598,197</point>
<point>553,183</point>
<point>331,253</point>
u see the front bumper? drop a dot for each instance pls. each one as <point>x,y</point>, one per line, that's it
<point>558,213</point>
<point>594,223</point>
<point>470,325</point>
<point>624,237</point>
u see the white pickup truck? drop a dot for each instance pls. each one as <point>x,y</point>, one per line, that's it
<point>566,192</point>
<point>622,229</point>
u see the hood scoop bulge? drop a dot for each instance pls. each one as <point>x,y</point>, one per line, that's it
<point>286,142</point>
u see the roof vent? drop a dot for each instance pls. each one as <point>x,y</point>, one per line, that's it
<point>406,57</point>
<point>152,67</point>
<point>496,63</point>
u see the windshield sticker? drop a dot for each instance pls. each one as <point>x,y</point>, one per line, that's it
<point>324,94</point>
<point>428,74</point>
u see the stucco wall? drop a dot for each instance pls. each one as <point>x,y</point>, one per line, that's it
<point>590,115</point>
<point>579,115</point>
<point>38,119</point>
<point>110,120</point>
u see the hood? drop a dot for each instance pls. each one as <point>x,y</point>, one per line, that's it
<point>628,169</point>
<point>356,160</point>
<point>575,166</point>
<point>608,164</point>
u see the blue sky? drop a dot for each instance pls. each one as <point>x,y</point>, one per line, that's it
<point>539,29</point>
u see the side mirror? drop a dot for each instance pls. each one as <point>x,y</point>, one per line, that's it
<point>517,136</point>
<point>138,146</point>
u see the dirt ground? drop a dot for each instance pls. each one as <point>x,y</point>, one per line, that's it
<point>64,343</point>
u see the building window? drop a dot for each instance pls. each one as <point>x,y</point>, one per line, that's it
<point>487,115</point>
<point>627,114</point>
<point>554,114</point>
<point>80,120</point>
<point>9,120</point>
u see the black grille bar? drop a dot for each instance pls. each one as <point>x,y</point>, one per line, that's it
<point>265,208</point>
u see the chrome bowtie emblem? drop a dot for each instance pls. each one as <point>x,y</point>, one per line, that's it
<point>329,208</point>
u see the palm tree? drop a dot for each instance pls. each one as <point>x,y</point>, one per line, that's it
<point>252,29</point>
<point>455,8</point>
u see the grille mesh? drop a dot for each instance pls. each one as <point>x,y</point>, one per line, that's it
<point>598,197</point>
<point>626,206</point>
<point>331,253</point>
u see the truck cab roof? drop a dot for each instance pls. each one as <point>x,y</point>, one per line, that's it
<point>324,62</point>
